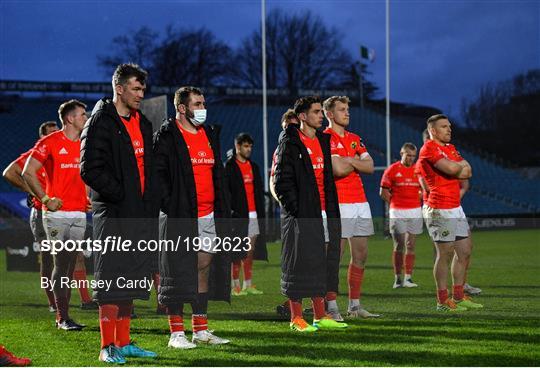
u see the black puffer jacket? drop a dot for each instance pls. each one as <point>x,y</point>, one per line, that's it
<point>307,269</point>
<point>109,168</point>
<point>178,268</point>
<point>239,207</point>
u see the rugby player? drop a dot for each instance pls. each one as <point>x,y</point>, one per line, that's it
<point>310,228</point>
<point>64,200</point>
<point>401,190</point>
<point>12,174</point>
<point>195,201</point>
<point>350,158</point>
<point>464,187</point>
<point>246,191</point>
<point>447,225</point>
<point>118,165</point>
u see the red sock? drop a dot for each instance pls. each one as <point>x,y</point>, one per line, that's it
<point>442,295</point>
<point>123,322</point>
<point>296,308</point>
<point>457,291</point>
<point>176,323</point>
<point>354,278</point>
<point>199,322</point>
<point>318,307</point>
<point>409,263</point>
<point>331,296</point>
<point>236,269</point>
<point>80,275</point>
<point>397,261</point>
<point>107,323</point>
<point>248,267</point>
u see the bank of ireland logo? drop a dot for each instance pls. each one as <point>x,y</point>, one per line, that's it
<point>202,154</point>
<point>319,159</point>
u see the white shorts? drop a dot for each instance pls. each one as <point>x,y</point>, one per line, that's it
<point>325,226</point>
<point>355,220</point>
<point>64,225</point>
<point>444,225</point>
<point>406,221</point>
<point>207,233</point>
<point>253,227</point>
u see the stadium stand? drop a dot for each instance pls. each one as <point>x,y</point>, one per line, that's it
<point>495,190</point>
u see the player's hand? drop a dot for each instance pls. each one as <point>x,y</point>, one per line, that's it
<point>54,204</point>
<point>88,204</point>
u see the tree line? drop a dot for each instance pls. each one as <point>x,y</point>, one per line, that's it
<point>302,52</point>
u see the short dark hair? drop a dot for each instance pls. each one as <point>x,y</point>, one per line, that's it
<point>43,127</point>
<point>124,72</point>
<point>330,102</point>
<point>408,145</point>
<point>303,104</point>
<point>68,107</point>
<point>288,115</point>
<point>181,96</point>
<point>434,118</point>
<point>243,138</point>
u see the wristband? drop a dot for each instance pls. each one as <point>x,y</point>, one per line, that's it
<point>45,199</point>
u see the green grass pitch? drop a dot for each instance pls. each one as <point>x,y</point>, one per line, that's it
<point>506,332</point>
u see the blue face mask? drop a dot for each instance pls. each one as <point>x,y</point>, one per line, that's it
<point>199,117</point>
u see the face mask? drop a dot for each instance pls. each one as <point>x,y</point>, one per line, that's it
<point>199,117</point>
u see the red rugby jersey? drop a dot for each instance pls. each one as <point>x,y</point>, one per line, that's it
<point>404,185</point>
<point>350,188</point>
<point>247,176</point>
<point>202,161</point>
<point>444,189</point>
<point>133,126</point>
<point>60,158</point>
<point>317,160</point>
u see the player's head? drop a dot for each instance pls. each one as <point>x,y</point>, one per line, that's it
<point>425,135</point>
<point>439,128</point>
<point>408,154</point>
<point>129,85</point>
<point>289,117</point>
<point>243,143</point>
<point>336,109</point>
<point>47,128</point>
<point>72,115</point>
<point>309,111</point>
<point>190,105</point>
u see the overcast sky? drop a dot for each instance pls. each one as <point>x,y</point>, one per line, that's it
<point>441,51</point>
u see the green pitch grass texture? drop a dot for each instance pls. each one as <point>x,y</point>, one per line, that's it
<point>411,332</point>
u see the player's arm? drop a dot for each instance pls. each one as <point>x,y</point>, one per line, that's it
<point>363,164</point>
<point>96,153</point>
<point>30,176</point>
<point>423,185</point>
<point>341,166</point>
<point>457,170</point>
<point>467,171</point>
<point>464,186</point>
<point>13,175</point>
<point>386,194</point>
